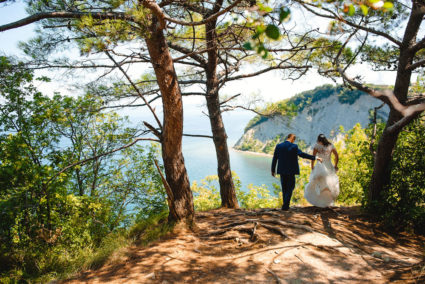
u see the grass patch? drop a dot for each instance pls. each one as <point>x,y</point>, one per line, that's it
<point>60,263</point>
<point>150,229</point>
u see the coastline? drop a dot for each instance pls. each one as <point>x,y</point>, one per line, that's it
<point>253,153</point>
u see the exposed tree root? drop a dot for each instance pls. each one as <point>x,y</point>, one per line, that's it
<point>275,230</point>
<point>228,226</point>
<point>223,231</point>
<point>254,236</point>
<point>287,224</point>
<point>278,281</point>
<point>223,238</point>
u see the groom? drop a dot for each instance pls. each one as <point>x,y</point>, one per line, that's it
<point>287,154</point>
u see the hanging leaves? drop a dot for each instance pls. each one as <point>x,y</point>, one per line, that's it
<point>272,32</point>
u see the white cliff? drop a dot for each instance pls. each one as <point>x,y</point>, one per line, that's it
<point>323,116</point>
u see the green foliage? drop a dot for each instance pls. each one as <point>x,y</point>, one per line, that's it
<point>382,57</point>
<point>272,32</point>
<point>48,216</point>
<point>207,197</point>
<point>252,145</point>
<point>271,145</point>
<point>258,197</point>
<point>258,119</point>
<point>354,166</point>
<point>150,228</point>
<point>403,204</point>
<point>263,31</point>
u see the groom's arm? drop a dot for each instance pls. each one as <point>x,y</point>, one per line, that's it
<point>305,155</point>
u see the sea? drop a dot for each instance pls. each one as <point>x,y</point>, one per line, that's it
<point>199,153</point>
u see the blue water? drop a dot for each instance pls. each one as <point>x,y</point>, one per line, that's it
<point>199,153</point>
<point>200,156</point>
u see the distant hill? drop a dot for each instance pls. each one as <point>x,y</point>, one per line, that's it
<point>321,110</point>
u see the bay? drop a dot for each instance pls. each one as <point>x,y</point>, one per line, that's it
<point>200,156</point>
<point>199,153</point>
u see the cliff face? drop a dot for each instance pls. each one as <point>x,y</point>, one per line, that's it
<point>325,116</point>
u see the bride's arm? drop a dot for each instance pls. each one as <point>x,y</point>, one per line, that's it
<point>336,158</point>
<point>313,161</point>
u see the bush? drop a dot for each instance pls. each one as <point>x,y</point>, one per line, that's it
<point>50,217</point>
<point>206,195</point>
<point>403,205</point>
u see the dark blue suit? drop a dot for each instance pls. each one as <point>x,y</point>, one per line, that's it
<point>286,156</point>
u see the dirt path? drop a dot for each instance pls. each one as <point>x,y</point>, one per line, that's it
<point>303,245</point>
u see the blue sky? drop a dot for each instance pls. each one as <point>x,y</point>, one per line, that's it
<point>9,39</point>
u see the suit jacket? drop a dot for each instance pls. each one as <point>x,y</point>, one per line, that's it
<point>287,154</point>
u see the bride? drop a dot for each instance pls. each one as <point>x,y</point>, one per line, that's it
<point>323,188</point>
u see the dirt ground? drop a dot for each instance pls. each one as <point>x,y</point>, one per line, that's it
<point>303,245</point>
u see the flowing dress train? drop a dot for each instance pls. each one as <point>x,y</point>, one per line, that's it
<point>323,187</point>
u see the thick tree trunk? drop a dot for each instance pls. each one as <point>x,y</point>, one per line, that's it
<point>227,188</point>
<point>381,176</point>
<point>182,208</point>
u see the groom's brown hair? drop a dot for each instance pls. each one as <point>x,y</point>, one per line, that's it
<point>290,135</point>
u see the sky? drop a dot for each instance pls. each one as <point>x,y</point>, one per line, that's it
<point>270,86</point>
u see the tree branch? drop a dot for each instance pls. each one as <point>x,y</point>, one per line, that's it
<point>98,156</point>
<point>334,16</point>
<point>66,15</point>
<point>416,65</point>
<point>188,53</point>
<point>209,19</point>
<point>153,6</point>
<point>408,112</point>
<point>265,71</point>
<point>413,113</point>
<point>229,99</point>
<point>200,136</point>
<point>135,88</point>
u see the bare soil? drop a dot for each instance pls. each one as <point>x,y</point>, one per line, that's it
<point>303,245</point>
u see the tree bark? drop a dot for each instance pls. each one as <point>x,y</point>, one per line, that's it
<point>227,188</point>
<point>381,176</point>
<point>171,138</point>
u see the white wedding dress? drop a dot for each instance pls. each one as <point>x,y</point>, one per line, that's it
<point>323,187</point>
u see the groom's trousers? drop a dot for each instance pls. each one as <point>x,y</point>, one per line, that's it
<point>288,185</point>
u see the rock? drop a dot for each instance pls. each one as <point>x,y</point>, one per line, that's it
<point>276,261</point>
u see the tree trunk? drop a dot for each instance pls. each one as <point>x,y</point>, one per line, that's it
<point>381,176</point>
<point>227,188</point>
<point>171,140</point>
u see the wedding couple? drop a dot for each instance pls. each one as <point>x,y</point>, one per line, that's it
<point>323,187</point>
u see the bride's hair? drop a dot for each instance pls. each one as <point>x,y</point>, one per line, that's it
<point>322,139</point>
